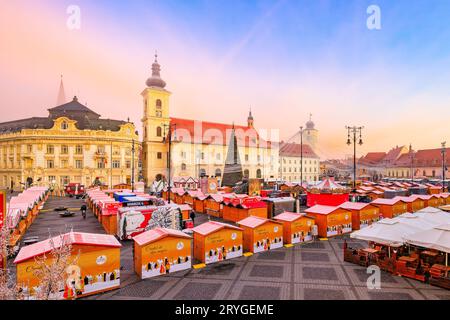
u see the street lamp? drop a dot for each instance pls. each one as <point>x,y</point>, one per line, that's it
<point>168,133</point>
<point>355,131</point>
<point>411,155</point>
<point>301,156</point>
<point>443,165</point>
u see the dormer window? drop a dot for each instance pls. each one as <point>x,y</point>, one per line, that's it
<point>158,104</point>
<point>64,125</point>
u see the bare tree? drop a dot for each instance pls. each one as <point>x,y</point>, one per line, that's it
<point>51,269</point>
<point>8,287</point>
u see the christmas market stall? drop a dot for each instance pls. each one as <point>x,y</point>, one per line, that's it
<point>214,204</point>
<point>94,264</point>
<point>109,216</point>
<point>279,205</point>
<point>135,220</point>
<point>327,193</point>
<point>390,208</point>
<point>363,214</point>
<point>297,227</point>
<point>413,203</point>
<point>242,207</point>
<point>331,220</point>
<point>161,251</point>
<point>216,241</point>
<point>261,234</point>
<point>429,200</point>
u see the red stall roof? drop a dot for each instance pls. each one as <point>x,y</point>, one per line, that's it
<point>321,209</point>
<point>354,205</point>
<point>157,234</point>
<point>389,202</point>
<point>212,226</point>
<point>80,238</point>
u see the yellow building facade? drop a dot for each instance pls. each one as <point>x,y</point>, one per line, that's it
<point>72,144</point>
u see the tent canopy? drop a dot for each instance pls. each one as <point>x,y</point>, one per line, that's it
<point>437,238</point>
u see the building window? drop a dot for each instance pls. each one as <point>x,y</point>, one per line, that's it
<point>258,173</point>
<point>100,164</point>
<point>217,156</point>
<point>434,173</point>
<point>218,173</point>
<point>116,164</point>
<point>159,155</point>
<point>29,148</point>
<point>64,149</point>
<point>246,157</point>
<point>79,164</point>
<point>202,172</point>
<point>101,150</point>
<point>183,166</point>
<point>64,125</point>
<point>64,180</point>
<point>52,179</point>
<point>183,154</point>
<point>246,173</point>
<point>128,164</point>
<point>50,149</point>
<point>50,164</point>
<point>64,164</point>
<point>158,132</point>
<point>79,149</point>
<point>158,104</point>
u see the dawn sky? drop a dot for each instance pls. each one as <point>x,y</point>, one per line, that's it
<point>284,59</point>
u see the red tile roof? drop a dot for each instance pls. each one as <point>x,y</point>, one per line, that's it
<point>157,234</point>
<point>206,132</point>
<point>213,226</point>
<point>71,238</point>
<point>431,158</point>
<point>372,158</point>
<point>295,150</point>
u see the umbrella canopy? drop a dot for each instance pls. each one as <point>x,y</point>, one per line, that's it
<point>387,231</point>
<point>418,220</point>
<point>437,238</point>
<point>433,215</point>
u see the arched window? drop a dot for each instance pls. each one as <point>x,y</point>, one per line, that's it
<point>202,172</point>
<point>158,104</point>
<point>158,131</point>
<point>64,125</point>
<point>218,173</point>
<point>246,173</point>
<point>258,173</point>
<point>183,167</point>
<point>424,173</point>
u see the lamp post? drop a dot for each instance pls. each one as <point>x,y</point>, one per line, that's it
<point>132,166</point>
<point>411,155</point>
<point>301,156</point>
<point>354,130</point>
<point>443,165</point>
<point>169,127</point>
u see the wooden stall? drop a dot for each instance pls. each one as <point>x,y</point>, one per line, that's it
<point>94,264</point>
<point>413,202</point>
<point>430,200</point>
<point>296,227</point>
<point>390,208</point>
<point>261,234</point>
<point>241,208</point>
<point>331,220</point>
<point>279,205</point>
<point>375,194</point>
<point>216,241</point>
<point>214,204</point>
<point>109,217</point>
<point>200,203</point>
<point>185,211</point>
<point>363,214</point>
<point>161,251</point>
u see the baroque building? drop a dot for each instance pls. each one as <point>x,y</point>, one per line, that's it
<point>198,148</point>
<point>71,144</point>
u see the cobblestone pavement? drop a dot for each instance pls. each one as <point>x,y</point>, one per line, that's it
<point>309,271</point>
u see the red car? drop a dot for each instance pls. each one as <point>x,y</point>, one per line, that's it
<point>74,189</point>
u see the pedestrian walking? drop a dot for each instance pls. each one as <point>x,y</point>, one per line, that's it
<point>83,211</point>
<point>192,216</point>
<point>315,232</point>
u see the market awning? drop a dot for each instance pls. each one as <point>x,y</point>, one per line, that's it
<point>437,238</point>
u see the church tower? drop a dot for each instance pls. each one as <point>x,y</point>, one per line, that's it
<point>310,134</point>
<point>155,124</point>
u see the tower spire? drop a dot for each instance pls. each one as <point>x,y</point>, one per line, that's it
<point>61,94</point>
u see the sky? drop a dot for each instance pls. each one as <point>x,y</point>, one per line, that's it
<point>284,59</point>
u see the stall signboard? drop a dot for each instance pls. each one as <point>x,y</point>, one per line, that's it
<point>368,216</point>
<point>223,245</point>
<point>213,184</point>
<point>301,230</point>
